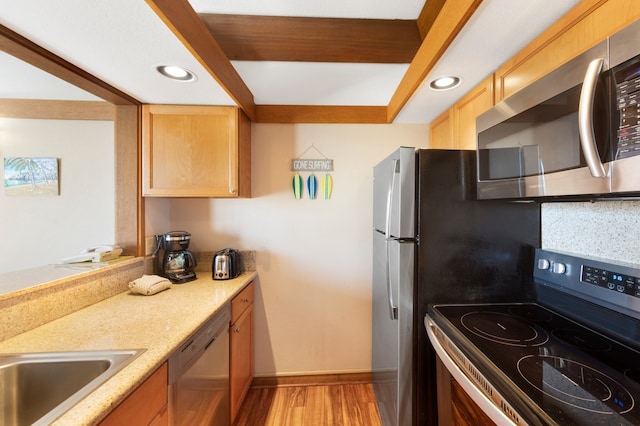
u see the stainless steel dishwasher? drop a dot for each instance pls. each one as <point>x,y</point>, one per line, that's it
<point>199,375</point>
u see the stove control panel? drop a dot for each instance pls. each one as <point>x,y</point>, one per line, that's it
<point>615,285</point>
<point>611,280</point>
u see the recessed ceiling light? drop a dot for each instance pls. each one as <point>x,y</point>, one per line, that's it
<point>445,83</point>
<point>176,73</point>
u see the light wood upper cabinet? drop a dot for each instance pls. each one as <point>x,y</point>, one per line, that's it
<point>195,151</point>
<point>467,109</point>
<point>241,348</point>
<point>441,132</point>
<point>587,24</point>
<point>456,127</point>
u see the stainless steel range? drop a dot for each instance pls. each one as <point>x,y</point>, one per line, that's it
<point>570,358</point>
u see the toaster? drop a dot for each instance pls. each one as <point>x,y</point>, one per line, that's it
<point>227,264</point>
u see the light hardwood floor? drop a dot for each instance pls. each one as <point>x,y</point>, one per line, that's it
<point>351,404</point>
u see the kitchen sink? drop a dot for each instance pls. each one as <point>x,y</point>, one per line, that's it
<point>36,388</point>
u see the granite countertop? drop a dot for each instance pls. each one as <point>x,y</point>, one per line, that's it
<point>158,323</point>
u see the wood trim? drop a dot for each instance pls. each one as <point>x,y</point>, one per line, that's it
<point>244,155</point>
<point>56,110</point>
<point>310,380</point>
<point>27,51</point>
<point>187,26</point>
<point>129,205</point>
<point>428,15</point>
<point>304,39</point>
<point>448,24</point>
<point>321,114</point>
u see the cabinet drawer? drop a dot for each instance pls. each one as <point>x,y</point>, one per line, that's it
<point>241,302</point>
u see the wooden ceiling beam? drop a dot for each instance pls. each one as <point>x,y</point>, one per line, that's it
<point>31,53</point>
<point>428,15</point>
<point>292,114</point>
<point>447,25</point>
<point>303,39</point>
<point>187,26</point>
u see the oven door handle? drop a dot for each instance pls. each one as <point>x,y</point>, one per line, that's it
<point>485,404</point>
<point>585,119</point>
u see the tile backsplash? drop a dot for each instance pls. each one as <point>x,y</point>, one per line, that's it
<point>606,229</point>
<point>204,260</point>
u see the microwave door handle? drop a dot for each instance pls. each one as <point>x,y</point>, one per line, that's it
<point>585,119</point>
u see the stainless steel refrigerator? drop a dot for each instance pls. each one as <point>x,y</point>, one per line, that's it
<point>433,242</point>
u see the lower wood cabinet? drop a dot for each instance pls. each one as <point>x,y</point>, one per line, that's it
<point>241,348</point>
<point>147,405</point>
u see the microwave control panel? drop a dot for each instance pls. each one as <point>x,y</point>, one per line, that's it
<point>627,81</point>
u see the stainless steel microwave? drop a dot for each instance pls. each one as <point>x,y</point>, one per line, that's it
<point>573,133</point>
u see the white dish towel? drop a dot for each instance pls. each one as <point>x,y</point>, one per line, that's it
<point>149,284</point>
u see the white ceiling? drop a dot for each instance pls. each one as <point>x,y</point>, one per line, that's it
<point>122,41</point>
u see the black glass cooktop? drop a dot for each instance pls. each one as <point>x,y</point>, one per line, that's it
<point>548,367</point>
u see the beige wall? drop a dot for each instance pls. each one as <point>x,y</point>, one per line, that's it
<point>41,230</point>
<point>313,301</point>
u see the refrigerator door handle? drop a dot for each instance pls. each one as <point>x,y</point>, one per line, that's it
<point>392,184</point>
<point>393,308</point>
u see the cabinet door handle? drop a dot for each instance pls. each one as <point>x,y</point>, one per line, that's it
<point>246,300</point>
<point>237,330</point>
<point>232,190</point>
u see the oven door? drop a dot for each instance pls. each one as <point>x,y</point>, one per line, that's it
<point>479,390</point>
<point>552,138</point>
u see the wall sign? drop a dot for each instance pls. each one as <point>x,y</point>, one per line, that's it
<point>325,186</point>
<point>312,165</point>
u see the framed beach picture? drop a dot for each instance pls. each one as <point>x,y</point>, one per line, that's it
<point>31,176</point>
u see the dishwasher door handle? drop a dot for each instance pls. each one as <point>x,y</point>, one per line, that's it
<point>210,342</point>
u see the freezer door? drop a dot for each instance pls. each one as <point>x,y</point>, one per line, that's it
<point>392,332</point>
<point>394,194</point>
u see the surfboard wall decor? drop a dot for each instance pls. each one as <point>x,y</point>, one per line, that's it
<point>297,186</point>
<point>326,186</point>
<point>312,186</point>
